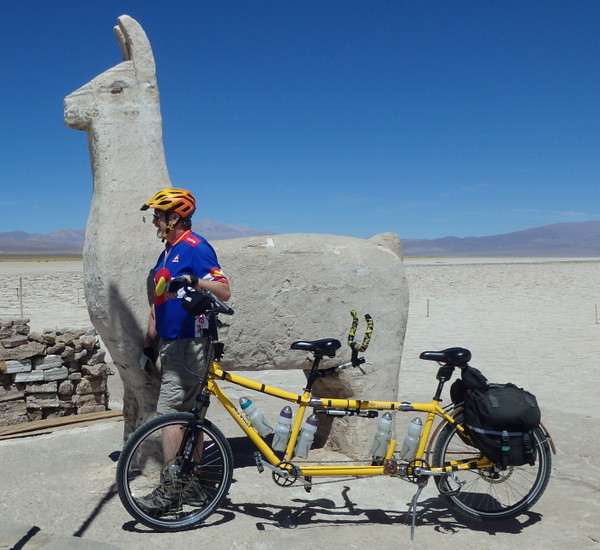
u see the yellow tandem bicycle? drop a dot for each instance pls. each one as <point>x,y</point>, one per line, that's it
<point>196,476</point>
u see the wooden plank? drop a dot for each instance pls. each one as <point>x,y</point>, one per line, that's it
<point>50,424</point>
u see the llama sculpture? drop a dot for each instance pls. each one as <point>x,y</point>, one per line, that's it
<point>120,111</point>
<point>285,287</point>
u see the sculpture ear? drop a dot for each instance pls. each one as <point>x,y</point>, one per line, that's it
<point>122,43</point>
<point>135,47</point>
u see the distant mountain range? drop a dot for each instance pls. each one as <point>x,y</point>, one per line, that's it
<point>558,240</point>
<point>70,241</point>
<point>566,240</point>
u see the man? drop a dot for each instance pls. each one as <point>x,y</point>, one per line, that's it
<point>184,349</point>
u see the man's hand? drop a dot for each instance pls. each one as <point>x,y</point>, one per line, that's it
<point>147,360</point>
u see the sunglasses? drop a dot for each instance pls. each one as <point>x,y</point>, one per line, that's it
<point>155,217</point>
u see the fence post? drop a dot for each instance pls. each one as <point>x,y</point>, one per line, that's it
<point>21,295</point>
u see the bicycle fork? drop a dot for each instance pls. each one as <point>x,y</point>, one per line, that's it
<point>192,440</point>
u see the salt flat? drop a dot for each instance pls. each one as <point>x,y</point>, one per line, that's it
<point>530,321</point>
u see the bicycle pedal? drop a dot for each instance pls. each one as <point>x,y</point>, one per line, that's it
<point>259,463</point>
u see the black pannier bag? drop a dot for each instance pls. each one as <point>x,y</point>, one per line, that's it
<point>500,419</point>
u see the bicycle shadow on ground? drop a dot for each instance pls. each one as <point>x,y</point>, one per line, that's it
<point>306,513</point>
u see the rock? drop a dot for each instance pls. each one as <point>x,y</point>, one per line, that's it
<point>37,337</point>
<point>68,353</point>
<point>14,366</point>
<point>33,376</point>
<point>47,362</point>
<point>99,356</point>
<point>89,400</point>
<point>50,387</point>
<point>56,374</point>
<point>14,341</point>
<point>10,326</point>
<point>88,342</point>
<point>41,401</point>
<point>66,388</point>
<point>13,412</point>
<point>95,370</point>
<point>11,394</point>
<point>31,349</point>
<point>87,409</point>
<point>50,338</point>
<point>56,349</point>
<point>91,385</point>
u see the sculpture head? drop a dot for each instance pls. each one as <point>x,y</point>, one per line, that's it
<point>123,86</point>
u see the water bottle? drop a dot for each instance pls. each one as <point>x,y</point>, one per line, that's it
<point>382,436</point>
<point>282,430</point>
<point>255,417</point>
<point>307,436</point>
<point>411,441</point>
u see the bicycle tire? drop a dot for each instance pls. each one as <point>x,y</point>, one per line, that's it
<point>141,468</point>
<point>490,494</point>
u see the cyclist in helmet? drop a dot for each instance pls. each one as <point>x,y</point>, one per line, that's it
<point>183,348</point>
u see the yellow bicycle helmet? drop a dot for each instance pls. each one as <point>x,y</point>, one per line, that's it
<point>180,201</point>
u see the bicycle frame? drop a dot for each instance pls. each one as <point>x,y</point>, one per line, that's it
<point>347,406</point>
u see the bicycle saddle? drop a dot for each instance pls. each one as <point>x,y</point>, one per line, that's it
<point>454,357</point>
<point>326,346</point>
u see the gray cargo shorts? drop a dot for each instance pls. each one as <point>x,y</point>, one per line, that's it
<point>184,364</point>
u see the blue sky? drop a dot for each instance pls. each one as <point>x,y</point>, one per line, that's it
<point>424,118</point>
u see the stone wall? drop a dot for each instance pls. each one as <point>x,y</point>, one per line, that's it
<point>49,374</point>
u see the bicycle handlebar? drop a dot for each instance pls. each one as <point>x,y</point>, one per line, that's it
<point>221,307</point>
<point>217,305</point>
<point>367,337</point>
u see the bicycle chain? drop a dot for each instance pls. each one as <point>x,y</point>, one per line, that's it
<point>297,465</point>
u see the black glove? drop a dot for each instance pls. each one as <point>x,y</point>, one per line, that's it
<point>177,283</point>
<point>147,359</point>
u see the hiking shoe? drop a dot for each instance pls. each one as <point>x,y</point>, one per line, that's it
<point>160,501</point>
<point>193,494</point>
<point>166,498</point>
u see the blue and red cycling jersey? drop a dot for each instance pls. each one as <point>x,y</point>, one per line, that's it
<point>191,254</point>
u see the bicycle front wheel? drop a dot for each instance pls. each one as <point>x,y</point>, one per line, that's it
<point>161,489</point>
<point>489,493</point>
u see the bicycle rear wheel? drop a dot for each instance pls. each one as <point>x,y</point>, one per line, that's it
<point>490,493</point>
<point>163,492</point>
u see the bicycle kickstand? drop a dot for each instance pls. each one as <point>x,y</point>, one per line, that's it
<point>412,509</point>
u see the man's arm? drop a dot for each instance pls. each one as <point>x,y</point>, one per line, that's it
<point>148,357</point>
<point>151,333</point>
<point>220,289</point>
